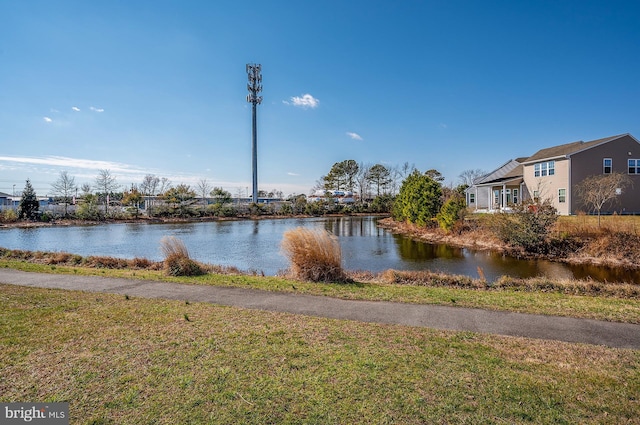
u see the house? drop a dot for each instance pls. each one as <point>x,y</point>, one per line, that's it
<point>554,173</point>
<point>499,188</point>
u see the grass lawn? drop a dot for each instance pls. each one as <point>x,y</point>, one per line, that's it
<point>120,360</point>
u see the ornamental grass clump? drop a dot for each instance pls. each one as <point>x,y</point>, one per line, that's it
<point>314,255</point>
<point>176,258</point>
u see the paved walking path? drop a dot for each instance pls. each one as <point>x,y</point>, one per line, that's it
<point>621,335</point>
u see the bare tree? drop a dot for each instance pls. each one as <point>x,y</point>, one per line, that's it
<point>165,184</point>
<point>106,184</point>
<point>86,189</point>
<point>149,185</point>
<point>469,176</point>
<point>596,191</point>
<point>65,187</point>
<point>362,179</point>
<point>204,188</point>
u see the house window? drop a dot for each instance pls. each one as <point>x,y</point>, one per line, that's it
<point>607,164</point>
<point>536,196</point>
<point>562,196</point>
<point>472,198</point>
<point>634,166</point>
<point>515,196</point>
<point>544,169</point>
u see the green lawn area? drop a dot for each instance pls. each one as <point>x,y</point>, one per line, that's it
<point>120,360</point>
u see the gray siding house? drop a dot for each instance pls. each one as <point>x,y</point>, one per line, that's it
<point>554,173</point>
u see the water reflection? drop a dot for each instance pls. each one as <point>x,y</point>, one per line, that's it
<point>255,245</point>
<point>411,250</point>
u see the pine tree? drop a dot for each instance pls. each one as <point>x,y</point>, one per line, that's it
<point>29,204</point>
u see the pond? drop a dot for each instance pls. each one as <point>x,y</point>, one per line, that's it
<point>254,245</point>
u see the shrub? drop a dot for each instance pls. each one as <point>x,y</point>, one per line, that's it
<point>176,258</point>
<point>8,216</point>
<point>527,227</point>
<point>315,255</point>
<point>451,212</point>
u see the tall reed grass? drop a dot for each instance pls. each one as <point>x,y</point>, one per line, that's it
<point>314,255</point>
<point>176,258</point>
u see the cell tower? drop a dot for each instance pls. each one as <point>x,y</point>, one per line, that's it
<point>254,87</point>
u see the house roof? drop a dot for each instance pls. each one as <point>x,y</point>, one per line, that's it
<point>4,195</point>
<point>507,171</point>
<point>564,151</point>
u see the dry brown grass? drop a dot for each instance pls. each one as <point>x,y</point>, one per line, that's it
<point>314,255</point>
<point>587,225</point>
<point>176,258</point>
<point>429,278</point>
<point>534,284</point>
<point>67,259</point>
<point>569,287</point>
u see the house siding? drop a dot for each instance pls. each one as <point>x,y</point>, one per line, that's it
<point>589,162</point>
<point>548,186</point>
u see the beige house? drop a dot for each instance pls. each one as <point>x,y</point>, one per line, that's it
<point>554,173</point>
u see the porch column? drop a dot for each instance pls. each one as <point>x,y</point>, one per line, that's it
<point>504,195</point>
<point>520,197</point>
<point>490,203</point>
<point>476,197</point>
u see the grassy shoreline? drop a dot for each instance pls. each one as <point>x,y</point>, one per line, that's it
<point>536,296</point>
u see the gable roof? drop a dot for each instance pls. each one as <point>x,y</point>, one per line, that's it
<point>509,170</point>
<point>564,151</point>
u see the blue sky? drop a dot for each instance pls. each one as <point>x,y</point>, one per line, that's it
<point>159,87</point>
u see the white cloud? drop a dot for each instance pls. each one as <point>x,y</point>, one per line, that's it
<point>94,109</point>
<point>292,174</point>
<point>75,108</point>
<point>65,162</point>
<point>305,101</point>
<point>47,119</point>
<point>354,136</point>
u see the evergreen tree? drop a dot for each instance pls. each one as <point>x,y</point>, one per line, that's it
<point>419,199</point>
<point>29,204</point>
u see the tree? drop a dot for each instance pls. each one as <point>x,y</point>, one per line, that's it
<point>165,184</point>
<point>65,187</point>
<point>341,176</point>
<point>596,191</point>
<point>149,187</point>
<point>435,175</point>
<point>29,204</point>
<point>181,197</point>
<point>203,190</point>
<point>220,196</point>
<point>469,176</point>
<point>362,180</point>
<point>106,184</point>
<point>86,189</point>
<point>380,177</point>
<point>133,198</point>
<point>419,199</point>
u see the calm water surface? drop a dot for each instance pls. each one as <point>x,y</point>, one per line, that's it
<point>255,245</point>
